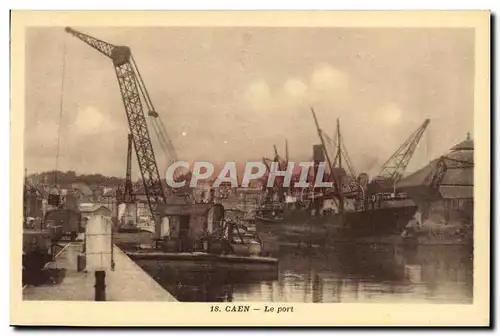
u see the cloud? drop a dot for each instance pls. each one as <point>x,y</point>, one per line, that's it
<point>258,94</point>
<point>295,87</point>
<point>44,132</point>
<point>391,114</point>
<point>90,120</point>
<point>254,88</point>
<point>328,78</point>
<point>278,110</point>
<point>325,84</point>
<point>283,110</point>
<point>90,140</point>
<point>285,113</point>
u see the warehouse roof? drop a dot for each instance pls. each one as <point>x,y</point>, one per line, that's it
<point>467,144</point>
<point>458,178</point>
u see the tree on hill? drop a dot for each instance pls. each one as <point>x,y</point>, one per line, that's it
<point>70,176</point>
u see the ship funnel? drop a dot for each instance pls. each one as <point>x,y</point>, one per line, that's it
<point>318,153</point>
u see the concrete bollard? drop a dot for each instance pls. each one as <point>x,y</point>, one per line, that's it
<point>100,286</point>
<point>99,252</point>
<point>81,262</point>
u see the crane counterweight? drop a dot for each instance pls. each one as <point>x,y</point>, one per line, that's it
<point>120,55</point>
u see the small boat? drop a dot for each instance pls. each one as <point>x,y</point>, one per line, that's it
<point>270,213</point>
<point>409,241</point>
<point>269,219</point>
<point>409,236</point>
<point>243,252</point>
<point>201,233</point>
<point>130,229</point>
<point>200,256</point>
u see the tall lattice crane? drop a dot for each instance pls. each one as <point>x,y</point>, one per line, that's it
<point>394,168</point>
<point>133,93</point>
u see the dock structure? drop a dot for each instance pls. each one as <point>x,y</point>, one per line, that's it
<point>127,282</point>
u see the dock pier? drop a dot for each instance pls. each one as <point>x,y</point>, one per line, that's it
<point>127,282</point>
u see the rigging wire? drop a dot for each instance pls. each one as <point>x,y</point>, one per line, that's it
<point>332,145</point>
<point>156,123</point>
<point>159,127</point>
<point>347,158</point>
<point>61,102</point>
<point>343,151</point>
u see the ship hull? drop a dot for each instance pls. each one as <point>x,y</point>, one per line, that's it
<point>299,226</point>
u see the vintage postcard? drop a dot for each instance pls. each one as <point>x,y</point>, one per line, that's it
<point>250,168</point>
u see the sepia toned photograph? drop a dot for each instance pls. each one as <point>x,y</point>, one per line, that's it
<point>249,168</point>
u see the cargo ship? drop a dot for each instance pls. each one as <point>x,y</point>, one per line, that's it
<point>355,208</point>
<point>313,222</point>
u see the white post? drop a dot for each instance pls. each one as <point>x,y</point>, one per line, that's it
<point>98,251</point>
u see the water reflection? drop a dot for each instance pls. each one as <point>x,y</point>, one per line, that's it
<point>341,274</point>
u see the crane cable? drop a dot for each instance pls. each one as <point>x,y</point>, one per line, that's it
<point>61,102</point>
<point>157,124</point>
<point>158,127</point>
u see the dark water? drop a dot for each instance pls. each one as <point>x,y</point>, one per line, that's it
<point>426,274</point>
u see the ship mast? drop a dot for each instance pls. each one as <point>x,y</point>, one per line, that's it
<point>337,188</point>
<point>279,163</point>
<point>339,143</point>
<point>322,140</point>
<point>286,151</point>
<point>341,154</point>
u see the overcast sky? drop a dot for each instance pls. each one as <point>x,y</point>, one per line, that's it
<point>229,94</point>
